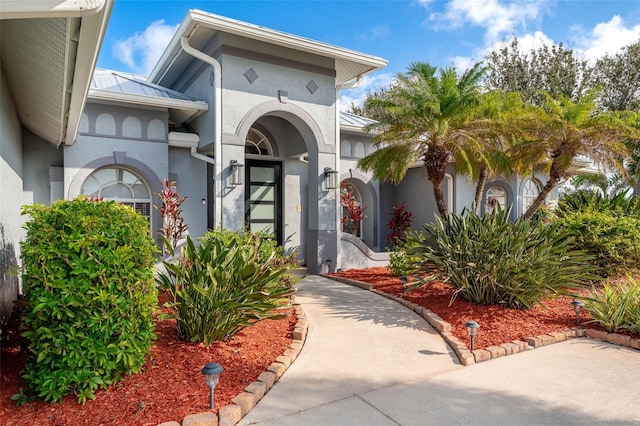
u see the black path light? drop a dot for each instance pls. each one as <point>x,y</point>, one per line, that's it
<point>472,330</point>
<point>211,373</point>
<point>578,305</point>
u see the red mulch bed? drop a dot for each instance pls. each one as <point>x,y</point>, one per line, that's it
<point>169,387</point>
<point>498,325</point>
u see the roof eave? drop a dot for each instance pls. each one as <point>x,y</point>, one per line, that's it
<point>91,36</point>
<point>21,9</point>
<point>195,18</point>
<point>193,108</point>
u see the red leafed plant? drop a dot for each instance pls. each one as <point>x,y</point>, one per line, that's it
<point>353,213</point>
<point>399,224</point>
<point>173,226</point>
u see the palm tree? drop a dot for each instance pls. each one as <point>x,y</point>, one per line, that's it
<point>493,123</point>
<point>561,130</point>
<point>424,119</point>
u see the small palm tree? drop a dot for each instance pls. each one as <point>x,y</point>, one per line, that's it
<point>425,116</point>
<point>561,130</point>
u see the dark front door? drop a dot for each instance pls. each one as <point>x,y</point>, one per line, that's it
<point>263,197</point>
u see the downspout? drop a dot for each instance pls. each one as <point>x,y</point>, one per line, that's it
<point>217,127</point>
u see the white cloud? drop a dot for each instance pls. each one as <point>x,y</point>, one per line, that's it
<point>141,51</point>
<point>605,38</point>
<point>376,32</point>
<point>369,83</point>
<point>497,18</point>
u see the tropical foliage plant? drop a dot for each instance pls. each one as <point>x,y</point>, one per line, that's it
<point>173,226</point>
<point>491,260</point>
<point>89,291</point>
<point>616,307</point>
<point>216,288</point>
<point>398,225</point>
<point>423,115</point>
<point>353,213</point>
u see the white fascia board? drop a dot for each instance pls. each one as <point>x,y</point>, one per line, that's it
<point>359,130</point>
<point>197,18</point>
<point>21,9</point>
<point>108,95</point>
<point>257,32</point>
<point>92,33</point>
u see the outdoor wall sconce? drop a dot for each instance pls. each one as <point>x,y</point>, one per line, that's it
<point>236,173</point>
<point>578,305</point>
<point>330,178</point>
<point>472,330</point>
<point>211,373</point>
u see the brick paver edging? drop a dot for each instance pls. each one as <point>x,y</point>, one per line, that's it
<point>468,357</point>
<point>231,414</point>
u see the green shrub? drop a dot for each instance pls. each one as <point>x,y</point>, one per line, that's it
<point>89,291</point>
<point>614,241</point>
<point>593,201</point>
<point>401,263</point>
<point>491,260</point>
<point>223,285</point>
<point>616,307</point>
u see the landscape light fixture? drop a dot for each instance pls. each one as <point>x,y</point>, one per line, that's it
<point>403,284</point>
<point>330,178</point>
<point>472,330</point>
<point>236,174</point>
<point>211,373</point>
<point>329,261</point>
<point>578,305</point>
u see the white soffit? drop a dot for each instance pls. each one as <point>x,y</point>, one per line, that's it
<point>48,60</point>
<point>21,9</point>
<point>349,64</point>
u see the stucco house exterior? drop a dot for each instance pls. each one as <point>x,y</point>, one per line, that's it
<point>245,119</point>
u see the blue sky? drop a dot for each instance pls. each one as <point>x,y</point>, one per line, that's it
<point>442,32</point>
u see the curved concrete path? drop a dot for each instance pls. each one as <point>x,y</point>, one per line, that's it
<point>369,361</point>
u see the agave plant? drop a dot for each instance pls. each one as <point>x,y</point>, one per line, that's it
<point>491,260</point>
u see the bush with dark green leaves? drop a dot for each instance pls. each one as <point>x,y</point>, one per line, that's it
<point>491,260</point>
<point>89,295</point>
<point>608,227</point>
<point>223,284</point>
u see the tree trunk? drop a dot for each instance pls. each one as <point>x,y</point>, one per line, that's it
<point>482,181</point>
<point>436,159</point>
<point>439,196</point>
<point>551,183</point>
<point>556,173</point>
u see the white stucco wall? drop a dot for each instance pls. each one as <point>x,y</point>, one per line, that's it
<point>11,172</point>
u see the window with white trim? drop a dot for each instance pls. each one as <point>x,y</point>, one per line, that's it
<point>530,191</point>
<point>257,143</point>
<point>121,185</point>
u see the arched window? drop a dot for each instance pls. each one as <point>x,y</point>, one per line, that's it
<point>496,197</point>
<point>530,191</point>
<point>257,143</point>
<point>121,185</point>
<point>351,212</point>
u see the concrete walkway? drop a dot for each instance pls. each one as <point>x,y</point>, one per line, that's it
<point>369,361</point>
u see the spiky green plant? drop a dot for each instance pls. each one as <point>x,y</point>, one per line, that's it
<point>217,288</point>
<point>616,307</point>
<point>491,260</point>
